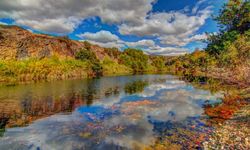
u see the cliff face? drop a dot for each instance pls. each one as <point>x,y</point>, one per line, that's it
<point>17,43</point>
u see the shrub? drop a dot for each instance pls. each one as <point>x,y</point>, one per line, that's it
<point>86,55</point>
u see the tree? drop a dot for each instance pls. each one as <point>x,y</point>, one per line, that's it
<point>234,20</point>
<point>86,54</point>
<point>235,15</point>
<point>134,59</point>
<point>158,62</point>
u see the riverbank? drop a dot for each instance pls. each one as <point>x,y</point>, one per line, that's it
<point>14,72</point>
<point>233,133</point>
<point>225,76</point>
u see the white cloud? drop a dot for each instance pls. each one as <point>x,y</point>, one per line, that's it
<point>175,28</point>
<point>107,39</point>
<point>56,15</point>
<point>141,43</point>
<point>180,41</point>
<point>167,51</point>
<point>101,36</point>
<point>108,44</point>
<point>171,23</point>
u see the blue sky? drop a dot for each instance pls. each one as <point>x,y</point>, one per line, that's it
<point>163,27</point>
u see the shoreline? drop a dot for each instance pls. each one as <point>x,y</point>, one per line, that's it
<point>86,75</point>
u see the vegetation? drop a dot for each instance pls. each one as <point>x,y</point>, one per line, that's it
<point>90,57</point>
<point>135,87</point>
<point>227,55</point>
<point>134,59</point>
<point>158,62</point>
<point>13,71</point>
<point>113,53</point>
<point>112,67</point>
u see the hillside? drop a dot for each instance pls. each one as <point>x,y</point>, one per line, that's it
<point>29,57</point>
<point>18,43</point>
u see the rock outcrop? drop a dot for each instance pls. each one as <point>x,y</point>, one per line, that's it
<point>18,43</point>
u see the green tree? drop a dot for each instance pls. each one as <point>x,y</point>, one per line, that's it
<point>234,20</point>
<point>235,15</point>
<point>89,55</point>
<point>86,54</point>
<point>134,59</point>
<point>158,62</point>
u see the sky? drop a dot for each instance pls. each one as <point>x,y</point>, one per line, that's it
<point>159,27</point>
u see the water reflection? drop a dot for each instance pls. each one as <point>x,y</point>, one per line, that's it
<point>129,112</point>
<point>135,87</point>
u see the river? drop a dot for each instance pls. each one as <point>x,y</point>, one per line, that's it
<point>125,112</point>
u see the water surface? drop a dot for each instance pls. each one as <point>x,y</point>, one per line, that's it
<point>126,112</point>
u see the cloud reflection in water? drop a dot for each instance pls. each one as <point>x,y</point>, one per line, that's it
<point>114,121</point>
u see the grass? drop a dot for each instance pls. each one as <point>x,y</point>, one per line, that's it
<point>30,70</point>
<point>111,67</point>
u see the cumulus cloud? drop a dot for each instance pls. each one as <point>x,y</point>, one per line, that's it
<point>171,23</point>
<point>141,43</point>
<point>175,28</point>
<point>167,51</point>
<point>64,16</point>
<point>108,39</point>
<point>108,44</point>
<point>101,36</point>
<point>180,41</point>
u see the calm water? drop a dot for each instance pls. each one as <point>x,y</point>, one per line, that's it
<point>127,112</point>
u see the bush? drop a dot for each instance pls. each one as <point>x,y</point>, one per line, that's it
<point>86,55</point>
<point>94,63</point>
<point>12,71</point>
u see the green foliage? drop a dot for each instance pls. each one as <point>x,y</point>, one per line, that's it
<point>111,67</point>
<point>219,43</point>
<point>12,71</point>
<point>134,59</point>
<point>97,68</point>
<point>94,63</point>
<point>235,15</point>
<point>158,62</point>
<point>234,20</point>
<point>86,55</point>
<point>112,52</point>
<point>227,55</point>
<point>237,53</point>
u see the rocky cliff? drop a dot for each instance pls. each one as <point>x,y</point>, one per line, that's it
<point>18,43</point>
